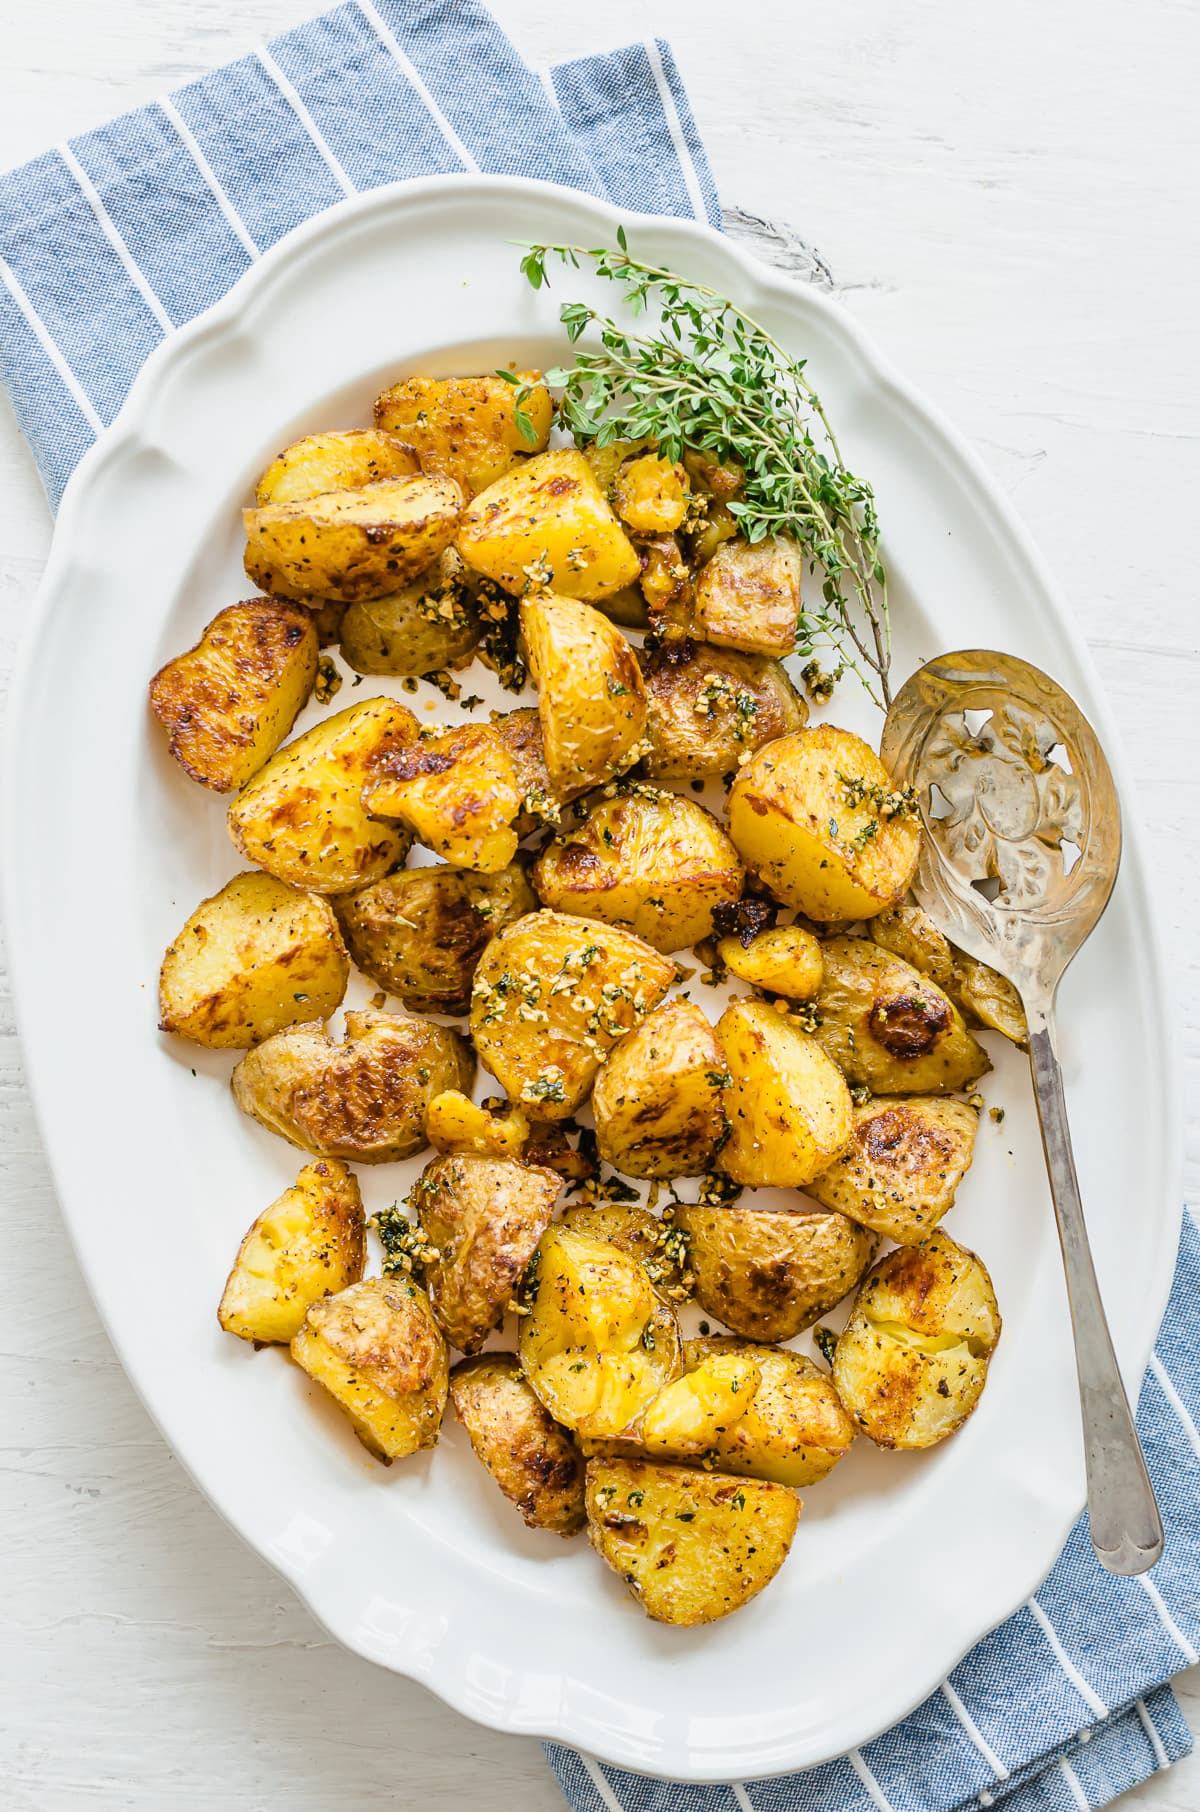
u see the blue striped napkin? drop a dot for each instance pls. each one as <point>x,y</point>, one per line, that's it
<point>110,242</point>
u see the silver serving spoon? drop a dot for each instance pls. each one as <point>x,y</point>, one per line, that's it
<point>1021,848</point>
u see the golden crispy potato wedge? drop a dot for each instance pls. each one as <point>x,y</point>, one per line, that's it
<point>708,708</point>
<point>365,1099</point>
<point>466,428</point>
<point>787,1104</point>
<point>548,523</point>
<point>425,626</point>
<point>591,700</point>
<point>344,461</point>
<point>456,790</point>
<point>889,1028</point>
<point>310,1243</point>
<point>352,544</point>
<point>748,596</point>
<point>900,1170</point>
<point>456,1123</point>
<point>552,995</point>
<point>691,1546</point>
<point>256,957</point>
<point>783,959</point>
<point>816,818</point>
<point>911,1363</point>
<point>535,1463</point>
<point>228,703</point>
<point>768,1273</point>
<point>377,1350</point>
<point>485,1216</point>
<point>794,1429</point>
<point>658,1100</point>
<point>651,494</point>
<point>690,1415</point>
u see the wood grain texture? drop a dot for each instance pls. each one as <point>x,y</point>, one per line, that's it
<point>1000,195</point>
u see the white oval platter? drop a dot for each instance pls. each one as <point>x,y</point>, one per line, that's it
<point>901,1562</point>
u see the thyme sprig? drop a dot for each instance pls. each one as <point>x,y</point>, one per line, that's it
<point>705,375</point>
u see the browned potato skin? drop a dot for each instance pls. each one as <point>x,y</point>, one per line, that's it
<point>707,708</point>
<point>912,936</point>
<point>376,1349</point>
<point>425,626</point>
<point>465,428</point>
<point>768,1273</point>
<point>632,1228</point>
<point>795,1430</point>
<point>535,1059</point>
<point>591,699</point>
<point>348,545</point>
<point>899,1172</point>
<point>343,461</point>
<point>889,1028</point>
<point>786,1102</point>
<point>658,1100</point>
<point>548,516</point>
<point>228,703</point>
<point>456,790</point>
<point>365,1099</point>
<point>748,596</point>
<point>982,996</point>
<point>659,866</point>
<point>534,1462</point>
<point>256,957</point>
<point>691,1546</point>
<point>485,1216</point>
<point>309,1243</point>
<point>419,933</point>
<point>667,588</point>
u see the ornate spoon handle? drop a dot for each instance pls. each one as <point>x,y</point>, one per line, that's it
<point>1126,1528</point>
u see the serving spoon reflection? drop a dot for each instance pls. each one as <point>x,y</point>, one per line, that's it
<point>1021,848</point>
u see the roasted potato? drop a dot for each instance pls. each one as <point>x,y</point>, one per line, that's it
<point>419,933</point>
<point>552,996</point>
<point>493,1129</point>
<point>521,733</point>
<point>912,1360</point>
<point>783,959</point>
<point>334,462</point>
<point>310,1243</point>
<point>900,1170</point>
<point>690,1415</point>
<point>722,480</point>
<point>665,579</point>
<point>651,495</point>
<point>377,1350</point>
<point>597,1344</point>
<point>816,818</point>
<point>256,957</point>
<point>748,596</point>
<point>889,1028</point>
<point>591,700</point>
<point>548,523</point>
<point>787,1104</point>
<point>691,1546</point>
<point>535,1463</point>
<point>982,996</point>
<point>228,703</point>
<point>768,1273</point>
<point>466,428</point>
<point>794,1429</point>
<point>718,524</point>
<point>627,607</point>
<point>707,708</point>
<point>912,936</point>
<point>633,1228</point>
<point>484,1216</point>
<point>365,1099</point>
<point>456,790</point>
<point>352,544</point>
<point>651,861</point>
<point>302,817</point>
<point>658,1100</point>
<point>421,628</point>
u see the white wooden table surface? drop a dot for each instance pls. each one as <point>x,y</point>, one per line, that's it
<point>1005,196</point>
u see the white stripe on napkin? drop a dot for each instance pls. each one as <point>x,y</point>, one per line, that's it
<point>854,1757</point>
<point>1156,1743</point>
<point>1165,1618</point>
<point>305,117</point>
<point>674,127</point>
<point>233,218</point>
<point>1072,1779</point>
<point>973,1731</point>
<point>389,40</point>
<point>36,326</point>
<point>1068,1666</point>
<point>114,238</point>
<point>1176,1401</point>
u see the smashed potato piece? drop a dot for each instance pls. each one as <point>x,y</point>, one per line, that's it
<point>597,1345</point>
<point>484,1216</point>
<point>783,959</point>
<point>342,461</point>
<point>748,595</point>
<point>787,1104</point>
<point>521,733</point>
<point>548,523</point>
<point>302,817</point>
<point>658,1100</point>
<point>911,1363</point>
<point>634,1229</point>
<point>690,1415</point>
<point>535,1463</point>
<point>228,703</point>
<point>591,700</point>
<point>456,1123</point>
<point>794,1429</point>
<point>256,957</point>
<point>691,1546</point>
<point>709,708</point>
<point>651,494</point>
<point>552,996</point>
<point>889,1028</point>
<point>377,1350</point>
<point>466,428</point>
<point>912,936</point>
<point>456,790</point>
<point>365,1099</point>
<point>816,818</point>
<point>768,1273</point>
<point>651,861</point>
<point>900,1170</point>
<point>352,544</point>
<point>310,1243</point>
<point>982,996</point>
<point>419,629</point>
